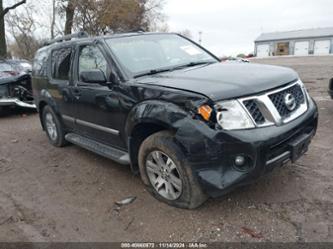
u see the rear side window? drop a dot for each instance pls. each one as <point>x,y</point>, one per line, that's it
<point>61,62</point>
<point>40,64</point>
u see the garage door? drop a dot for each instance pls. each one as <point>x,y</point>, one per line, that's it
<point>263,50</point>
<point>301,48</point>
<point>322,47</point>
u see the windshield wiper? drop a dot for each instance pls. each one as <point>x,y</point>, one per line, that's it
<point>191,64</point>
<point>152,72</point>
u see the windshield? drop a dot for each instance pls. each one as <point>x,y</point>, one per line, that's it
<point>5,67</point>
<point>146,53</point>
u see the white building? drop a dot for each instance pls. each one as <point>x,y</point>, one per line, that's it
<point>299,43</point>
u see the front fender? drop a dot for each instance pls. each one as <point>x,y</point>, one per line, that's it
<point>157,112</point>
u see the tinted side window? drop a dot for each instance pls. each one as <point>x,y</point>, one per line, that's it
<point>61,62</point>
<point>40,63</point>
<point>92,58</point>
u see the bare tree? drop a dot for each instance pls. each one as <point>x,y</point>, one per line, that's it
<point>70,10</point>
<point>186,32</point>
<point>22,26</point>
<point>53,18</point>
<point>154,17</point>
<point>3,12</point>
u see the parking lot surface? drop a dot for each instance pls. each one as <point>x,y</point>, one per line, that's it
<point>69,194</point>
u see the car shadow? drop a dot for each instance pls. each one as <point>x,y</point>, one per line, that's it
<point>15,111</point>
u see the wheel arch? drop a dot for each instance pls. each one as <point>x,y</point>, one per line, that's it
<point>41,107</point>
<point>148,118</point>
<point>44,100</point>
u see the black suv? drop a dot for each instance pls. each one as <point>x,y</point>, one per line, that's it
<point>191,126</point>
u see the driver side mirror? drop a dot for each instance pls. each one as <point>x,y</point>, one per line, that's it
<point>93,76</point>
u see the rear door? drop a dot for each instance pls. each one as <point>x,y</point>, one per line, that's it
<point>61,83</point>
<point>97,105</point>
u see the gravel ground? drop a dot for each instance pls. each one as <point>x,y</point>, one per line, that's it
<point>68,194</point>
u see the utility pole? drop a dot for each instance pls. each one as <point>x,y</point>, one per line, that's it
<point>200,37</point>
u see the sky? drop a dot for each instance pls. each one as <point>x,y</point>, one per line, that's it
<point>230,27</point>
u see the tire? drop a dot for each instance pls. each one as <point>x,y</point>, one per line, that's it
<point>186,191</point>
<point>58,138</point>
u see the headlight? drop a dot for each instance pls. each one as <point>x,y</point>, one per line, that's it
<point>232,116</point>
<point>300,82</point>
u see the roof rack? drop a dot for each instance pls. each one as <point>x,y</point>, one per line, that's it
<point>78,35</point>
<point>139,30</point>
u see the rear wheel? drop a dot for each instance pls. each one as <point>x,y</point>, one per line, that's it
<point>53,127</point>
<point>166,174</point>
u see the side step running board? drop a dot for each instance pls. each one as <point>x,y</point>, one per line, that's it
<point>99,148</point>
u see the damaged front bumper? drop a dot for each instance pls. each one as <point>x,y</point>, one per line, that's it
<point>211,153</point>
<point>16,91</point>
<point>16,102</point>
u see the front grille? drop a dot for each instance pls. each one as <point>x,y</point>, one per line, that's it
<point>278,100</point>
<point>253,109</point>
<point>271,107</point>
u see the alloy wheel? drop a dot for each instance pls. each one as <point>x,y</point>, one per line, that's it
<point>51,126</point>
<point>163,174</point>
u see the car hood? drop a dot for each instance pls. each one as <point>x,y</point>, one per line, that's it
<point>224,81</point>
<point>8,79</point>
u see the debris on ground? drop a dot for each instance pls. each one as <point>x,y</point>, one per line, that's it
<point>252,233</point>
<point>126,201</point>
<point>129,224</point>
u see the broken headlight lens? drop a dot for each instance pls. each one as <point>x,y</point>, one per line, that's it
<point>230,115</point>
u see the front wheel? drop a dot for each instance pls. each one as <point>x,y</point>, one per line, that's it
<point>166,174</point>
<point>53,127</point>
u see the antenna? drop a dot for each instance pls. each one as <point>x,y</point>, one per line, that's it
<point>200,37</point>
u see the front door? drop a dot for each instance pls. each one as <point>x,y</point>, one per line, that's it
<point>97,106</point>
